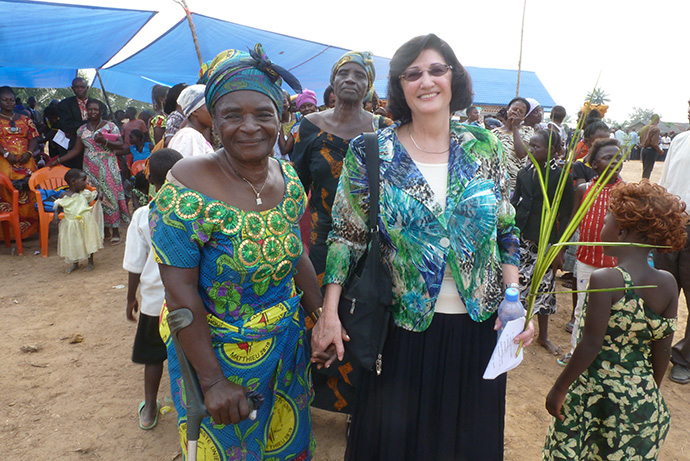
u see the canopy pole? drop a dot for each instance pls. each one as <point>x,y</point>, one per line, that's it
<point>105,95</point>
<point>522,33</point>
<point>188,13</point>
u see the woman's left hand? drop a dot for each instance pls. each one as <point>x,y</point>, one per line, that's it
<point>526,336</point>
<point>99,138</point>
<point>25,157</point>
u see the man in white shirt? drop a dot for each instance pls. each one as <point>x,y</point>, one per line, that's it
<point>675,179</point>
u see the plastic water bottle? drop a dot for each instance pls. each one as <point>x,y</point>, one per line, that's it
<point>510,308</point>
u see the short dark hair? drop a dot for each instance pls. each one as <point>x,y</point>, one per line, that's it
<point>593,116</point>
<point>597,146</point>
<point>6,90</point>
<point>73,174</point>
<point>160,163</point>
<point>171,99</point>
<point>50,111</point>
<point>158,92</point>
<point>593,127</point>
<point>522,100</point>
<point>461,83</point>
<point>551,137</point>
<point>137,133</point>
<point>327,94</point>
<point>93,101</point>
<point>558,113</point>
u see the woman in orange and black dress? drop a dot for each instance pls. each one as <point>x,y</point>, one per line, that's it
<point>320,147</point>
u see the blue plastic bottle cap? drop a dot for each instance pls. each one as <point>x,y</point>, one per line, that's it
<point>512,294</point>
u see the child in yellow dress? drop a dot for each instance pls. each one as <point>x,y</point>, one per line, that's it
<point>80,233</point>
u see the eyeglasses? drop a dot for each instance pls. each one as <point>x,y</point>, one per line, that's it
<point>435,70</point>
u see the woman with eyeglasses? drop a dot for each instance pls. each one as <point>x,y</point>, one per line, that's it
<point>449,239</point>
<point>18,141</point>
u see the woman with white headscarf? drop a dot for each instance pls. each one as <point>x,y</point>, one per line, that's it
<point>191,140</point>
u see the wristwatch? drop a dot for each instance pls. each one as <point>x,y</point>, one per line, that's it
<point>6,154</point>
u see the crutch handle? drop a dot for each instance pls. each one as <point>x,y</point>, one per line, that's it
<point>196,410</point>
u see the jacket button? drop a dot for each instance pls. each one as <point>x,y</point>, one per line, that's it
<point>445,243</point>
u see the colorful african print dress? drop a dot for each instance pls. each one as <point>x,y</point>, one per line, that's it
<point>246,264</point>
<point>14,138</point>
<point>615,411</point>
<point>103,172</point>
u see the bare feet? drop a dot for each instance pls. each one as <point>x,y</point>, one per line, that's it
<point>549,346</point>
<point>73,268</point>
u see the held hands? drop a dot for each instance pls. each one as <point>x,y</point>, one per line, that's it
<point>327,339</point>
<point>554,403</point>
<point>226,402</point>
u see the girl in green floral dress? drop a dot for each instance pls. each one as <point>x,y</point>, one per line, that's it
<point>607,404</point>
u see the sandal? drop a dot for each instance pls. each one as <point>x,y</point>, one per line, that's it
<point>155,420</point>
<point>563,361</point>
<point>680,374</point>
<point>115,241</point>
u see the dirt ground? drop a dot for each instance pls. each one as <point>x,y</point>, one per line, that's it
<point>78,401</point>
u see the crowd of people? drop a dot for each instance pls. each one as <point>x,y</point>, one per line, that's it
<point>250,208</point>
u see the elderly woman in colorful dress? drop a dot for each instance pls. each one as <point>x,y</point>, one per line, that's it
<point>320,147</point>
<point>225,231</point>
<point>449,239</point>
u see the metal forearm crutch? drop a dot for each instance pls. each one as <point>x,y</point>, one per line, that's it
<point>196,410</point>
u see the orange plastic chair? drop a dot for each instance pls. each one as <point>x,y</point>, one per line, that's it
<point>138,166</point>
<point>46,178</point>
<point>11,216</point>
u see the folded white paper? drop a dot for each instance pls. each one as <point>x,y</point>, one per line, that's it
<point>504,357</point>
<point>61,140</point>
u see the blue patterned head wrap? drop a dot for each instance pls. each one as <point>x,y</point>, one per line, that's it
<point>364,59</point>
<point>234,70</point>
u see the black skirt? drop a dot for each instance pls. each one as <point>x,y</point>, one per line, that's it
<point>430,401</point>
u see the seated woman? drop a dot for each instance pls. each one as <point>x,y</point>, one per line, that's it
<point>225,230</point>
<point>18,137</point>
<point>139,148</point>
<point>193,139</point>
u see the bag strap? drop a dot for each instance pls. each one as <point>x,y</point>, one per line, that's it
<point>371,149</point>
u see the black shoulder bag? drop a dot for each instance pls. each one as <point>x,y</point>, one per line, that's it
<point>367,295</point>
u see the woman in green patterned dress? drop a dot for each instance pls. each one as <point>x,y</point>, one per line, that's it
<point>225,231</point>
<point>607,404</point>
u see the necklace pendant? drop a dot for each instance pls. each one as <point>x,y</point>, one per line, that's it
<point>258,200</point>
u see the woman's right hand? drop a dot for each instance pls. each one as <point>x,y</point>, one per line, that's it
<point>328,331</point>
<point>226,402</point>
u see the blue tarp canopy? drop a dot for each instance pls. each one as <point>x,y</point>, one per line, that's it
<point>85,37</point>
<point>172,58</point>
<point>43,44</point>
<point>497,86</point>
